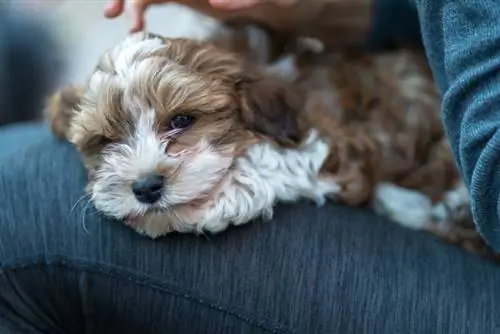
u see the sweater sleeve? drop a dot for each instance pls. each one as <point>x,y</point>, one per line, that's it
<point>462,41</point>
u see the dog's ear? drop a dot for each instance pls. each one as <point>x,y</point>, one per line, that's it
<point>271,108</point>
<point>61,107</point>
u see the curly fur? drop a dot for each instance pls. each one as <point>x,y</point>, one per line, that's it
<point>346,126</point>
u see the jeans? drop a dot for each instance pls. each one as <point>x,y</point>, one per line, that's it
<point>66,269</point>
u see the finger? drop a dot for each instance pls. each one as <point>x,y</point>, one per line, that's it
<point>286,2</point>
<point>234,4</point>
<point>114,8</point>
<point>138,12</point>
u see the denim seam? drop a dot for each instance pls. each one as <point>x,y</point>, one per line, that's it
<point>119,273</point>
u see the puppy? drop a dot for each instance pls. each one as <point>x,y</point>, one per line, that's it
<point>187,136</point>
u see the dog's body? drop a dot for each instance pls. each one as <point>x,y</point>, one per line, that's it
<point>226,139</point>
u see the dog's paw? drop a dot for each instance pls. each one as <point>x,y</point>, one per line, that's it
<point>454,208</point>
<point>326,188</point>
<point>406,207</point>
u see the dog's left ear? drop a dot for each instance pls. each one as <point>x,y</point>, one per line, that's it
<point>270,107</point>
<point>61,107</point>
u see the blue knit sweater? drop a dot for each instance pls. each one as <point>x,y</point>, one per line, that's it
<point>462,42</point>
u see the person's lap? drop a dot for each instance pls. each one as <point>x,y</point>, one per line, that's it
<point>66,269</point>
<point>16,138</point>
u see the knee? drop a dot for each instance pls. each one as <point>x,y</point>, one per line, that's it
<point>38,186</point>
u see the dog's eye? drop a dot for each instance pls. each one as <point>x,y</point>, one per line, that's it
<point>181,121</point>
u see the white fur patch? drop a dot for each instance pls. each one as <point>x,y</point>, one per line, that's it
<point>123,164</point>
<point>133,51</point>
<point>415,210</point>
<point>406,207</point>
<point>266,175</point>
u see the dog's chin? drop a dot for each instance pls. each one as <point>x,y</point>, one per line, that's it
<point>135,221</point>
<point>156,223</point>
<point>182,217</point>
<point>151,224</point>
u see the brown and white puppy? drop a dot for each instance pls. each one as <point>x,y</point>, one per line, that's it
<point>181,135</point>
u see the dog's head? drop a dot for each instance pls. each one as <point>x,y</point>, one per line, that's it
<point>162,121</point>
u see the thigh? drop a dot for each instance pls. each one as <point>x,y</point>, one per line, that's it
<point>64,268</point>
<point>19,137</point>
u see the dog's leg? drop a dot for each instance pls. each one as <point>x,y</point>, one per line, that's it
<point>452,209</point>
<point>61,107</point>
<point>404,206</point>
<point>352,165</point>
<point>454,223</point>
<point>414,209</point>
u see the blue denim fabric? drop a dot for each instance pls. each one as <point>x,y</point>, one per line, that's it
<point>66,269</point>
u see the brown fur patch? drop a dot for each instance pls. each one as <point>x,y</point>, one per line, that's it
<point>382,115</point>
<point>270,108</point>
<point>61,107</point>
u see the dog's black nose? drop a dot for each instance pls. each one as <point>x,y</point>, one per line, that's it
<point>148,188</point>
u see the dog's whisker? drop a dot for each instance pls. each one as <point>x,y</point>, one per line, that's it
<point>84,215</point>
<point>77,202</point>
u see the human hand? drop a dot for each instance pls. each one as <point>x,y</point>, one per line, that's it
<point>241,4</point>
<point>116,8</point>
<point>334,22</point>
<point>268,12</point>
